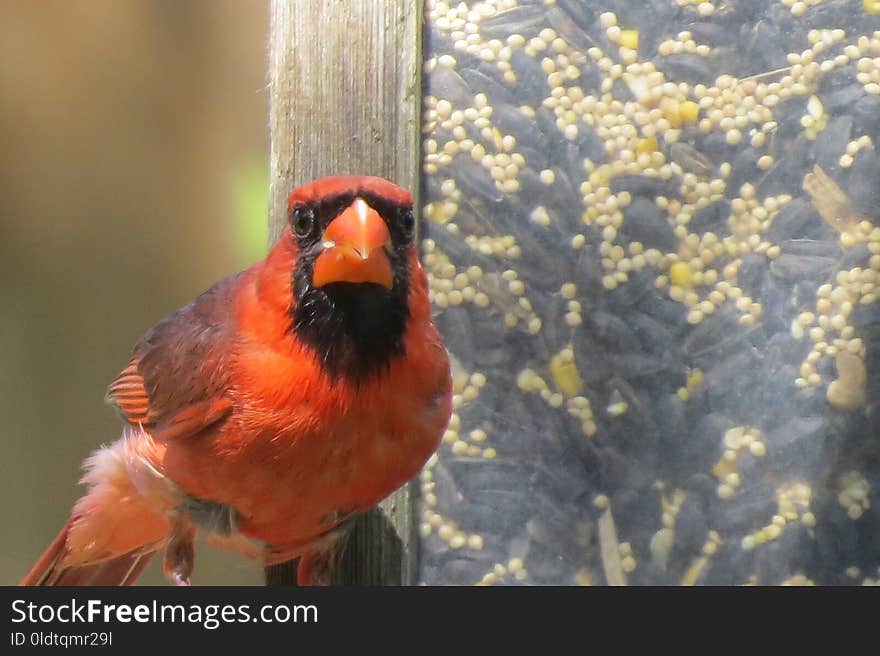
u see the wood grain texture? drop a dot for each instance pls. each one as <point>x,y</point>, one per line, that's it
<point>345,98</point>
<point>345,92</point>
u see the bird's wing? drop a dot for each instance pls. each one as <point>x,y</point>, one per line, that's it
<point>176,382</point>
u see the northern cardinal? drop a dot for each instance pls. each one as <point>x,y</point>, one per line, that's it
<point>280,404</point>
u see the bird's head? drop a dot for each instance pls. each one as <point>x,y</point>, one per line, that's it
<point>351,280</point>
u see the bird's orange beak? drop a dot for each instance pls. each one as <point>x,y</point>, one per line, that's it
<point>354,249</point>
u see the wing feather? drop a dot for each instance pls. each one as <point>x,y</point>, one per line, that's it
<point>176,383</point>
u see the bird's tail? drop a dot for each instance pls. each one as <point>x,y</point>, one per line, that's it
<point>116,526</point>
<point>51,568</point>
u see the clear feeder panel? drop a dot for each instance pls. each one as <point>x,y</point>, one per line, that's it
<point>652,232</point>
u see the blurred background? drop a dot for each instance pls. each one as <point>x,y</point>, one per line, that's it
<point>134,175</point>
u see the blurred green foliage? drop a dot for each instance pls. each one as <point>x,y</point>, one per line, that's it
<point>251,202</point>
<point>135,176</point>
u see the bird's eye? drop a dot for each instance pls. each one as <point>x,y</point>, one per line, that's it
<point>302,220</point>
<point>407,223</point>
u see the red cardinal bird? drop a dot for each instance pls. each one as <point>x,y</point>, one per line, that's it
<point>277,406</point>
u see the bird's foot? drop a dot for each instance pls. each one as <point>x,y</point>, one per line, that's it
<point>180,553</point>
<point>179,579</point>
<point>316,568</point>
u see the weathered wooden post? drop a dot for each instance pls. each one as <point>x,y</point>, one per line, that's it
<point>345,99</point>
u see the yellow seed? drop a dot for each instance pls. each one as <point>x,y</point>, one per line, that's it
<point>694,317</point>
<point>582,577</point>
<point>629,39</point>
<point>650,144</point>
<point>478,435</point>
<point>568,290</point>
<point>688,111</point>
<point>475,542</point>
<point>617,409</point>
<point>765,162</point>
<point>547,176</point>
<point>681,274</point>
<point>871,6</point>
<point>566,375</point>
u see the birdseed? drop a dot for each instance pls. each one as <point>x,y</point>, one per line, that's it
<point>652,236</point>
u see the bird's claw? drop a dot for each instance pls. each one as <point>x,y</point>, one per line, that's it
<point>180,553</point>
<point>177,578</point>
